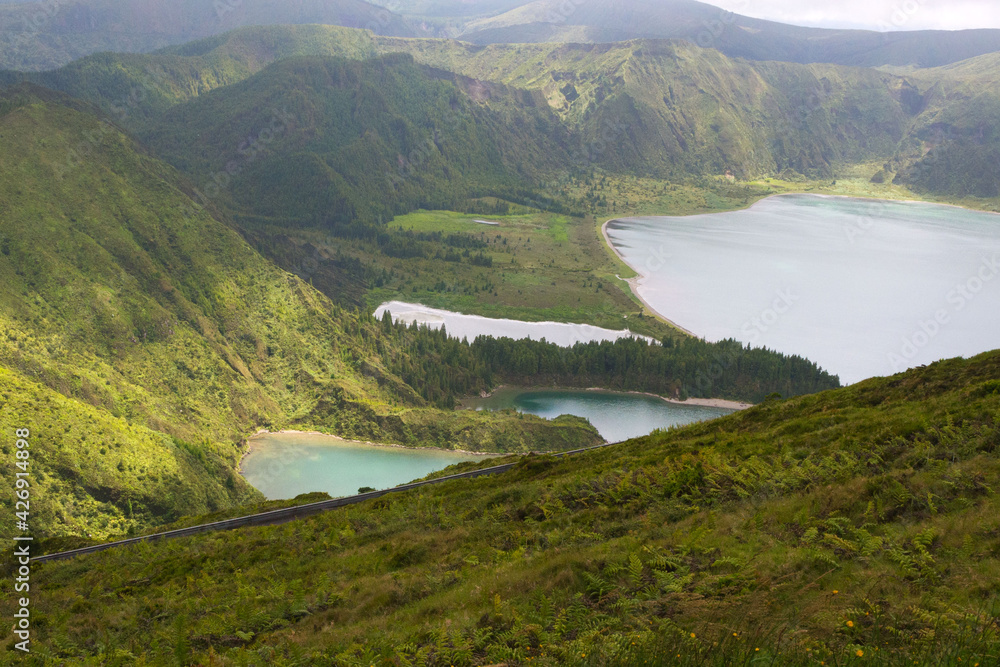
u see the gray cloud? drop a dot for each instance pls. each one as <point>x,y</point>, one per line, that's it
<point>872,14</point>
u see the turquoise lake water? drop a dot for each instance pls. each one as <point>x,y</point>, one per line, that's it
<point>284,465</point>
<point>616,416</point>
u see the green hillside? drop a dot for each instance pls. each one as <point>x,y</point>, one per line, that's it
<point>669,108</point>
<point>338,142</point>
<point>134,87</point>
<point>146,315</point>
<point>117,297</point>
<point>97,475</point>
<point>956,145</point>
<point>44,35</point>
<point>858,526</point>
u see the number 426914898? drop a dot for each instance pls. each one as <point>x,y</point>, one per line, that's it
<point>23,455</point>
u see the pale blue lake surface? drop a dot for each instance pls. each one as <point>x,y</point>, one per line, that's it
<point>284,465</point>
<point>862,287</point>
<point>616,416</point>
<point>460,325</point>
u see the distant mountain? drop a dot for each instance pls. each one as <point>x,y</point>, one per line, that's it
<point>133,87</point>
<point>668,108</point>
<point>955,146</point>
<point>338,142</point>
<point>735,35</point>
<point>671,109</point>
<point>37,35</point>
<point>43,35</point>
<point>457,9</point>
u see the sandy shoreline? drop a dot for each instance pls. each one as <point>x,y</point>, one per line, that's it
<point>633,283</point>
<point>859,197</point>
<point>249,444</point>
<point>699,402</point>
<point>710,403</point>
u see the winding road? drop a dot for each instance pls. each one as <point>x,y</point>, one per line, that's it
<point>286,514</point>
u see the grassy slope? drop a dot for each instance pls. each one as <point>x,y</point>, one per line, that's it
<point>162,318</point>
<point>545,267</point>
<point>858,520</point>
<point>120,295</point>
<point>95,474</point>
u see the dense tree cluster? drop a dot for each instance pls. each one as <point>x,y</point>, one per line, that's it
<point>443,369</point>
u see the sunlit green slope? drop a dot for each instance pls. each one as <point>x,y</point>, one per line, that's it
<point>127,306</point>
<point>857,526</point>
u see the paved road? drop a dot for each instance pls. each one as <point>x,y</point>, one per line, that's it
<point>286,514</point>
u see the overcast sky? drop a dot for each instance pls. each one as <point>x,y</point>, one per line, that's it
<point>872,14</point>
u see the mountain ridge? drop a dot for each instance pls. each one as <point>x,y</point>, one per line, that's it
<point>812,117</point>
<point>41,35</point>
<point>737,36</point>
<point>54,35</point>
